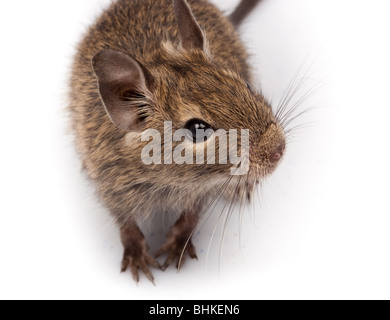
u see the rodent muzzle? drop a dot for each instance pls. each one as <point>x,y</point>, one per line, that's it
<point>268,149</point>
<point>277,154</point>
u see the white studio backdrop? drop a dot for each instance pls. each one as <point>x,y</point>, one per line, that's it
<point>320,226</point>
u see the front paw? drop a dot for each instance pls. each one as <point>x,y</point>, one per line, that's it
<point>177,247</point>
<point>136,258</point>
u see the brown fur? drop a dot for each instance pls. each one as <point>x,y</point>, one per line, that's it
<point>184,83</point>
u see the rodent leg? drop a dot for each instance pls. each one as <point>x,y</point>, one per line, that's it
<point>136,256</point>
<point>179,243</point>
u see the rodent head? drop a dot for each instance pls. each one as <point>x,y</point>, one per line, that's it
<point>183,84</point>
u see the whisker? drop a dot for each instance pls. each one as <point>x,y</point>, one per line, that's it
<point>286,118</point>
<point>299,127</point>
<point>290,92</point>
<point>293,88</point>
<point>287,92</point>
<point>216,225</point>
<point>241,213</point>
<point>214,199</point>
<point>226,221</point>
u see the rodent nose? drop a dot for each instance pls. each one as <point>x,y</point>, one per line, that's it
<point>278,152</point>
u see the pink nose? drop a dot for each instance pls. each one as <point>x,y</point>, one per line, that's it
<point>278,152</point>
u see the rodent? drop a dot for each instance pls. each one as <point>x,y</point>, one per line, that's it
<point>144,62</point>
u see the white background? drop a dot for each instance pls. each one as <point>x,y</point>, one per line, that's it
<point>323,227</point>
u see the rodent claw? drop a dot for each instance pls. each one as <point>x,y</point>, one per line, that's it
<point>139,263</point>
<point>174,248</point>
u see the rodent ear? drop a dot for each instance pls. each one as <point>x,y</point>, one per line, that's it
<point>190,32</point>
<point>122,88</point>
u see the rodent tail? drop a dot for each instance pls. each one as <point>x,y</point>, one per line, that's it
<point>242,11</point>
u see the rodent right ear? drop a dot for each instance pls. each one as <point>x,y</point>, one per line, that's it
<point>191,34</point>
<point>122,88</point>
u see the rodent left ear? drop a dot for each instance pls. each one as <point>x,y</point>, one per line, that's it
<point>122,88</point>
<point>190,32</point>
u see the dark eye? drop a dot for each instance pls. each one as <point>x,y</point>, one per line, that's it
<point>199,130</point>
<point>249,87</point>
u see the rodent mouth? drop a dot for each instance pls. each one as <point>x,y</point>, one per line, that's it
<point>260,171</point>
